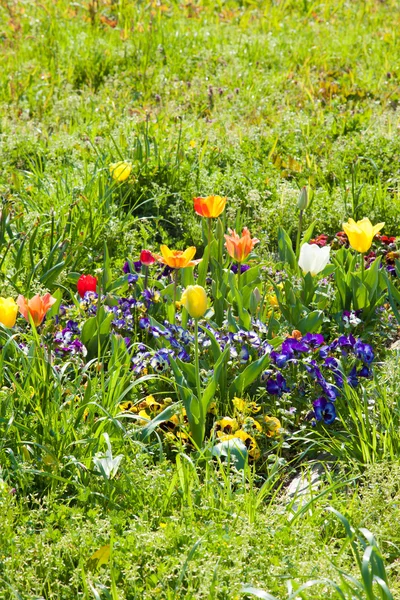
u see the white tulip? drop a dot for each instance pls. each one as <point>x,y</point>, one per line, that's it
<point>313,259</point>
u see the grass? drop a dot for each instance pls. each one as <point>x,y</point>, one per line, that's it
<point>251,100</point>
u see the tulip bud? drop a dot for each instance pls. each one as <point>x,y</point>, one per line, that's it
<point>120,170</point>
<point>302,202</point>
<point>219,234</point>
<point>255,298</point>
<point>194,299</point>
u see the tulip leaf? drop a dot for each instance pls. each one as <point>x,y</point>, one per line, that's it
<point>107,273</point>
<point>163,416</point>
<point>285,249</point>
<point>234,450</point>
<point>308,233</point>
<point>248,376</point>
<point>311,323</point>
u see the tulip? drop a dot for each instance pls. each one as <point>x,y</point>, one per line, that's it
<point>194,299</point>
<point>146,258</point>
<point>210,206</point>
<point>240,247</point>
<point>313,259</point>
<point>177,259</point>
<point>36,307</point>
<point>361,234</point>
<point>121,170</point>
<point>86,283</point>
<point>8,312</point>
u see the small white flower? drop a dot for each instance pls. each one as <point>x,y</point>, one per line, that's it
<point>313,259</point>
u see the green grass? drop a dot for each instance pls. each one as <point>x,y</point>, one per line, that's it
<point>251,100</point>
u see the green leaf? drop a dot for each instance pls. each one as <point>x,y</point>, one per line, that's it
<point>248,376</point>
<point>99,558</point>
<point>285,249</point>
<point>308,233</point>
<point>312,322</point>
<point>234,449</point>
<point>163,416</point>
<point>107,273</point>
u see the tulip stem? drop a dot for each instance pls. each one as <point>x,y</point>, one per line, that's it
<point>196,359</point>
<point>175,290</point>
<point>146,276</point>
<point>362,267</point>
<point>239,274</point>
<point>299,228</point>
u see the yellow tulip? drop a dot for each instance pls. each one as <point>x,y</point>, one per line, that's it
<point>8,312</point>
<point>194,299</point>
<point>177,259</point>
<point>361,234</point>
<point>121,170</point>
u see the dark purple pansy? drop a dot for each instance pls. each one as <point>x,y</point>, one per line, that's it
<point>324,410</point>
<point>314,340</point>
<point>243,268</point>
<point>277,386</point>
<point>352,378</point>
<point>364,352</point>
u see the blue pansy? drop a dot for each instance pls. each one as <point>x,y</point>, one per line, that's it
<point>324,410</point>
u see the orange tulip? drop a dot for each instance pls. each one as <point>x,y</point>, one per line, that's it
<point>37,307</point>
<point>177,259</point>
<point>210,207</point>
<point>240,247</point>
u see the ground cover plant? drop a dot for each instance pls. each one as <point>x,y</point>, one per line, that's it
<point>200,300</point>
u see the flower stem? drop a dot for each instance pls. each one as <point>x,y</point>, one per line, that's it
<point>175,289</point>
<point>299,228</point>
<point>146,276</point>
<point>196,359</point>
<point>362,267</point>
<point>239,274</point>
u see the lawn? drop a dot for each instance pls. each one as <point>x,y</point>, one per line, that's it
<point>199,365</point>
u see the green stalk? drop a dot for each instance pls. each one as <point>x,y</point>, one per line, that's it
<point>196,359</point>
<point>175,290</point>
<point>299,228</point>
<point>200,426</point>
<point>362,267</point>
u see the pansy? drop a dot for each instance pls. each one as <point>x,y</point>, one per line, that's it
<point>277,386</point>
<point>324,410</point>
<point>364,352</point>
<point>273,426</point>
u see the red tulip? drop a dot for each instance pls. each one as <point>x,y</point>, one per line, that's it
<point>86,283</point>
<point>146,258</point>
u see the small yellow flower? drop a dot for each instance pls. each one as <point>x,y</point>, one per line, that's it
<point>250,443</point>
<point>252,424</point>
<point>273,427</point>
<point>120,170</point>
<point>192,144</point>
<point>239,404</point>
<point>128,406</point>
<point>145,417</point>
<point>226,425</point>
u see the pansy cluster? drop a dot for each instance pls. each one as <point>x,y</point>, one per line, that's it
<point>306,365</point>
